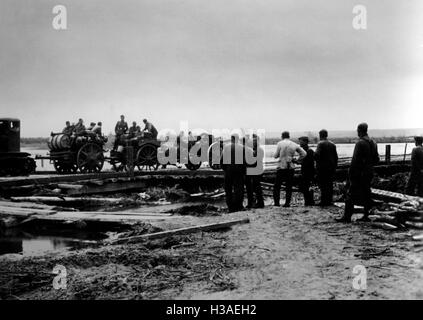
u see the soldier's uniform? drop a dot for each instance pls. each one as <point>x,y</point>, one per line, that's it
<point>253,179</point>
<point>149,127</point>
<point>416,174</point>
<point>307,176</point>
<point>326,158</point>
<point>120,128</point>
<point>360,175</point>
<point>234,167</point>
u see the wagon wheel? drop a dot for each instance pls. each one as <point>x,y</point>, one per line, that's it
<point>64,167</point>
<point>90,158</point>
<point>147,158</point>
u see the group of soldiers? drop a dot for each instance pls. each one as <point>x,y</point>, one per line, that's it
<point>319,166</point>
<point>121,128</point>
<point>79,128</point>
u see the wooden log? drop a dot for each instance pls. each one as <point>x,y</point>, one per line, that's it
<point>29,205</point>
<point>418,237</point>
<point>384,225</point>
<point>67,186</point>
<point>24,212</point>
<point>108,188</point>
<point>416,225</point>
<point>61,200</point>
<point>206,227</point>
<point>383,194</point>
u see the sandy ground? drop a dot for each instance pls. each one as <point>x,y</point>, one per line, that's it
<point>295,253</point>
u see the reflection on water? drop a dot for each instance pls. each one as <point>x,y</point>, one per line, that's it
<point>32,247</point>
<point>16,241</point>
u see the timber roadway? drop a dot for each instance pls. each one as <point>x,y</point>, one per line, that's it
<point>51,177</point>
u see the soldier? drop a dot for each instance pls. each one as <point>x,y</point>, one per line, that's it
<point>234,169</point>
<point>79,128</point>
<point>91,127</point>
<point>307,172</point>
<point>97,129</point>
<point>133,130</point>
<point>149,127</point>
<point>285,152</point>
<point>360,175</point>
<point>121,128</point>
<point>68,129</point>
<point>416,174</point>
<point>253,179</point>
<point>326,158</point>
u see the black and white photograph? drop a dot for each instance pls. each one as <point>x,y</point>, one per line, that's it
<point>193,150</point>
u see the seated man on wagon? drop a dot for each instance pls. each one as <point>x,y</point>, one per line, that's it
<point>79,128</point>
<point>150,128</point>
<point>68,129</point>
<point>97,129</point>
<point>134,130</point>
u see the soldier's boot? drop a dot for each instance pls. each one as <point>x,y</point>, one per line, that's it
<point>349,208</point>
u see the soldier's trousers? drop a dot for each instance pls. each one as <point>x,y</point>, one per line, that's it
<point>253,186</point>
<point>287,176</point>
<point>325,182</point>
<point>415,181</point>
<point>358,193</point>
<point>234,189</point>
<point>305,185</point>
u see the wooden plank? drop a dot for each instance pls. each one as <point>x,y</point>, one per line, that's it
<point>84,216</point>
<point>107,188</point>
<point>61,200</point>
<point>206,227</point>
<point>24,212</point>
<point>394,195</point>
<point>30,205</point>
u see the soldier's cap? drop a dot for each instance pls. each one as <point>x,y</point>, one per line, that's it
<point>305,139</point>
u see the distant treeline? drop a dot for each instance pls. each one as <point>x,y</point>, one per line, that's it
<point>35,140</point>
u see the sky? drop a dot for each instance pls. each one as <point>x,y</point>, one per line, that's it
<point>293,65</point>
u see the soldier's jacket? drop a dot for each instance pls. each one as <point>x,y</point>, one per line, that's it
<point>365,157</point>
<point>417,159</point>
<point>151,128</point>
<point>326,156</point>
<point>307,164</point>
<point>79,129</point>
<point>68,130</point>
<point>233,158</point>
<point>121,127</point>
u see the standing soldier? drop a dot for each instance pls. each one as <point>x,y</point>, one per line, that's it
<point>360,175</point>
<point>234,168</point>
<point>326,162</point>
<point>120,128</point>
<point>307,172</point>
<point>285,151</point>
<point>254,175</point>
<point>416,174</point>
